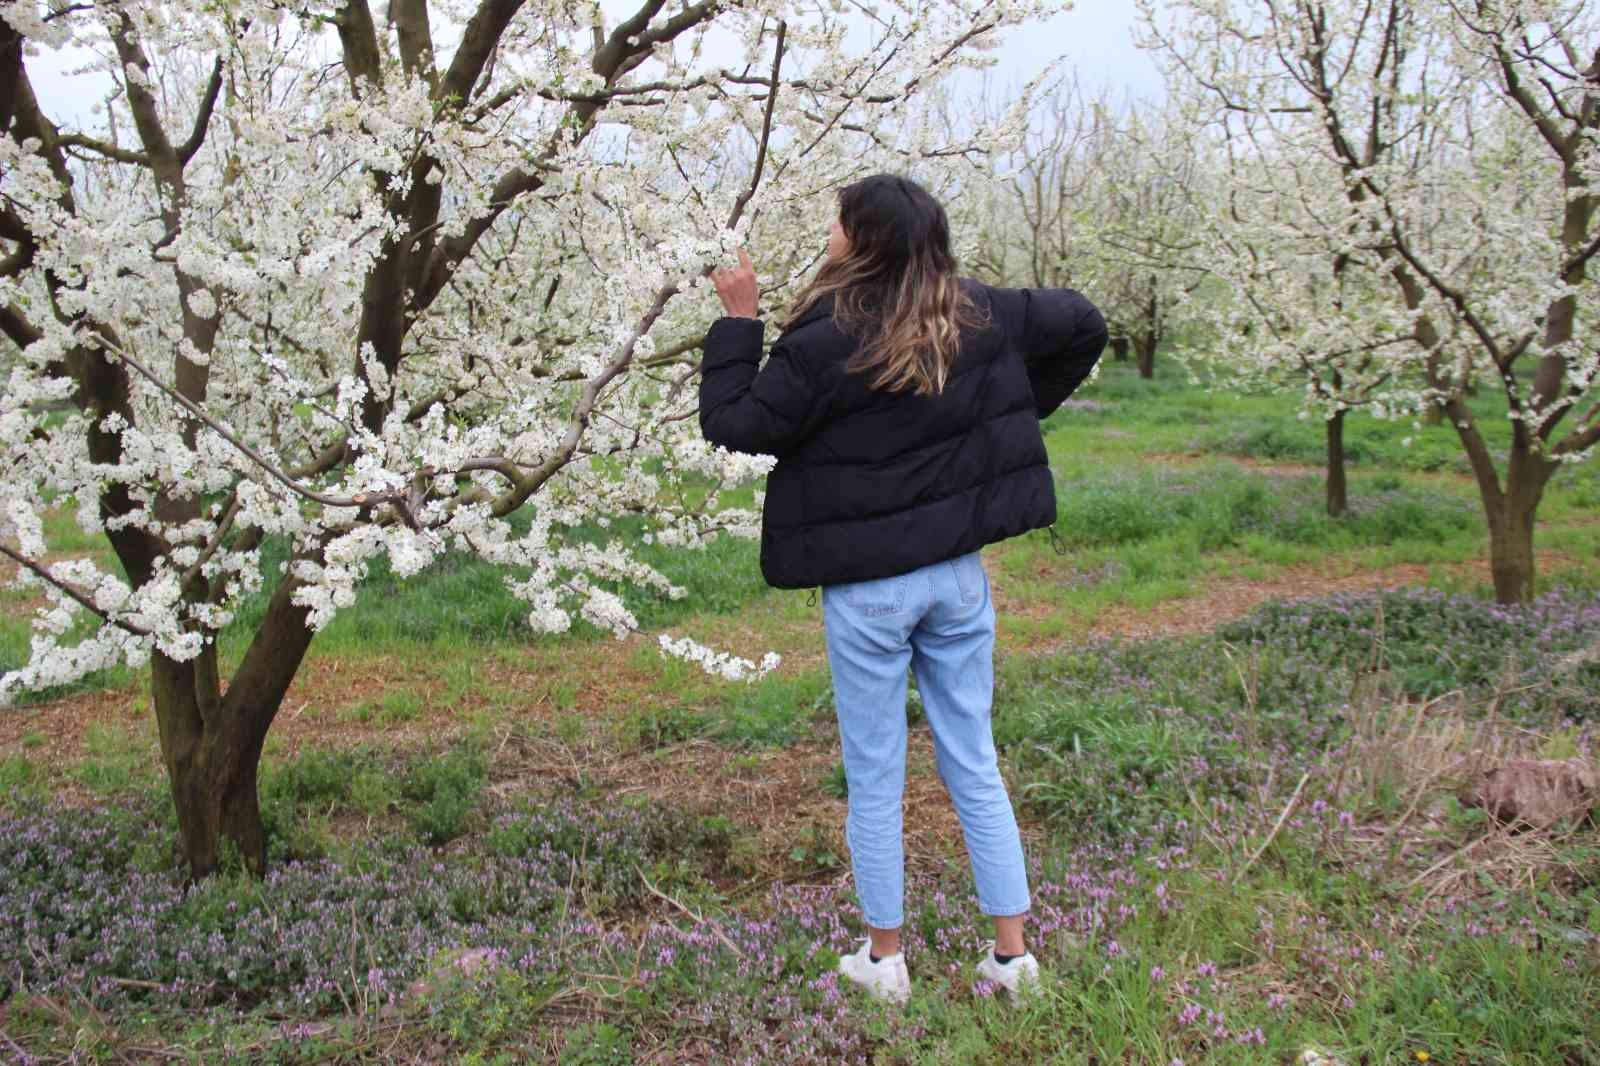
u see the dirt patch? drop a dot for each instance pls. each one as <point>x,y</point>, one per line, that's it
<point>1228,599</point>
<point>1259,466</point>
<point>52,735</point>
<point>1453,479</point>
<point>778,794</point>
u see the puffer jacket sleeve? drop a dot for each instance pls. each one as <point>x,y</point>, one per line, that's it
<point>1060,335</point>
<point>765,411</point>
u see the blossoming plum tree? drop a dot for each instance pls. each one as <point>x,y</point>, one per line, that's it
<point>369,284</point>
<point>1460,138</point>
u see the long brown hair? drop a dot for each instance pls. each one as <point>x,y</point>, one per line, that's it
<point>896,289</point>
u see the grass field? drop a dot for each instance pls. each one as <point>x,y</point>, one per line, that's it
<point>1234,729</point>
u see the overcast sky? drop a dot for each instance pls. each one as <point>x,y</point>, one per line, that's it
<point>1095,37</point>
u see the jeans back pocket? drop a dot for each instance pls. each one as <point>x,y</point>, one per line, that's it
<point>880,596</point>
<point>970,578</point>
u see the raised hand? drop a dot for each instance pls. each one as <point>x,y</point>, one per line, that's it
<point>737,287</point>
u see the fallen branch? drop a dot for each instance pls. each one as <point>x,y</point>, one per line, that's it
<point>697,919</point>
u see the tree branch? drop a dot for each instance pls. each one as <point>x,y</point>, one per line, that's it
<point>1582,439</point>
<point>1524,99</point>
<point>361,500</point>
<point>223,527</point>
<point>410,20</point>
<point>146,109</point>
<point>525,487</point>
<point>358,37</point>
<point>76,593</point>
<point>202,120</point>
<point>1581,259</point>
<point>766,129</point>
<point>484,30</point>
<point>628,39</point>
<point>10,72</point>
<point>15,325</point>
<point>110,151</point>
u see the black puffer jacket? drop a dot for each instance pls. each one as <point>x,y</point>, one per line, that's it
<point>871,484</point>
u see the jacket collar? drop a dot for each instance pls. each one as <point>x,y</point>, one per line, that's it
<point>823,308</point>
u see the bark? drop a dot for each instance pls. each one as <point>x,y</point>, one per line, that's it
<point>1148,338</point>
<point>212,744</point>
<point>1144,353</point>
<point>10,72</point>
<point>1511,516</point>
<point>1338,490</point>
<point>1119,348</point>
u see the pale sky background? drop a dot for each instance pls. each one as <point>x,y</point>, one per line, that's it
<point>1096,37</point>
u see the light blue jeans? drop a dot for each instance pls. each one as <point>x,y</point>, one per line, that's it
<point>939,622</point>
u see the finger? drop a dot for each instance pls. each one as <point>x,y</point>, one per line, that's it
<point>744,261</point>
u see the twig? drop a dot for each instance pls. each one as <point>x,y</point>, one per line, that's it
<point>1214,833</point>
<point>656,892</point>
<point>1294,801</point>
<point>223,526</point>
<point>766,129</point>
<point>1446,861</point>
<point>22,1056</point>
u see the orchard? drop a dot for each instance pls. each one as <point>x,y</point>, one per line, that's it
<point>383,656</point>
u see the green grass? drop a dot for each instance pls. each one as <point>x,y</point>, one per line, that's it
<point>393,707</point>
<point>119,760</point>
<point>1174,414</point>
<point>18,776</point>
<point>773,712</point>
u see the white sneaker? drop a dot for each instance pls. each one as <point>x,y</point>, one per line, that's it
<point>886,979</point>
<point>1020,976</point>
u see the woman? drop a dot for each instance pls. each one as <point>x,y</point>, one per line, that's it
<point>903,406</point>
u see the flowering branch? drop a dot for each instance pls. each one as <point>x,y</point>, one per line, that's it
<point>73,591</point>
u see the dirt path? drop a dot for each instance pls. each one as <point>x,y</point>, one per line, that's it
<point>1452,478</point>
<point>1229,599</point>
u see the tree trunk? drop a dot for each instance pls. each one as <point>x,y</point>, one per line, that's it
<point>1144,351</point>
<point>1338,491</point>
<point>1511,518</point>
<point>1511,553</point>
<point>1119,349</point>
<point>212,744</point>
<point>216,799</point>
